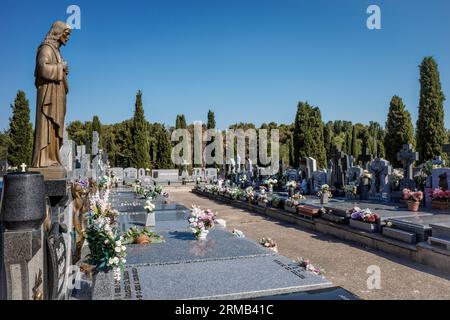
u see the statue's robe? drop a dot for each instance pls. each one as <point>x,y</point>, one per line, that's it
<point>52,88</point>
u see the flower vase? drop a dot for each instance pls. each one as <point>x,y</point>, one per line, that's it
<point>291,191</point>
<point>270,188</point>
<point>324,198</point>
<point>413,206</point>
<point>202,235</point>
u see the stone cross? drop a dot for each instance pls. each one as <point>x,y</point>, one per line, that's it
<point>23,166</point>
<point>365,157</point>
<point>407,157</point>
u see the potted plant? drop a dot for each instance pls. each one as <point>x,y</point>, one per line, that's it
<point>351,190</point>
<point>413,199</point>
<point>440,199</point>
<point>364,219</point>
<point>200,221</point>
<point>324,194</point>
<point>141,236</point>
<point>397,176</point>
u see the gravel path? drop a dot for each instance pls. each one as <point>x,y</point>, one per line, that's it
<point>345,263</point>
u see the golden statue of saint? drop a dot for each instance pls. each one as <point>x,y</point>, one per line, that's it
<point>52,87</point>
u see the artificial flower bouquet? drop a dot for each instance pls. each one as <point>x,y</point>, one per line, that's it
<point>440,195</point>
<point>413,196</point>
<point>307,266</point>
<point>269,243</point>
<point>200,221</point>
<point>365,215</point>
<point>325,190</point>
<point>291,184</point>
<point>107,251</point>
<point>351,188</point>
<point>250,193</point>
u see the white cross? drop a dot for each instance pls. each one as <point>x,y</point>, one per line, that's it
<point>23,166</point>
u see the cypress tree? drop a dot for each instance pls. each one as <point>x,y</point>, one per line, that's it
<point>141,156</point>
<point>308,135</point>
<point>20,148</point>
<point>211,124</point>
<point>354,147</point>
<point>399,130</point>
<point>97,126</point>
<point>430,124</point>
<point>162,148</point>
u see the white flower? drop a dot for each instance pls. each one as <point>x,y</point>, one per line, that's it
<point>119,243</point>
<point>124,248</point>
<point>106,241</point>
<point>118,249</point>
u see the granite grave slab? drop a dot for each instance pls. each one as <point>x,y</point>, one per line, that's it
<point>181,246</point>
<point>223,279</point>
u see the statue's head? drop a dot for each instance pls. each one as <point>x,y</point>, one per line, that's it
<point>58,34</point>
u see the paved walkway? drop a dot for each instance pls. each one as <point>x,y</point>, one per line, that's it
<point>345,263</point>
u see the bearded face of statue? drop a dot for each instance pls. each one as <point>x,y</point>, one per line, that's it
<point>65,37</point>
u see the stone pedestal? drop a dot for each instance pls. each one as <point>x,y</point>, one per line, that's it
<point>22,269</point>
<point>51,173</point>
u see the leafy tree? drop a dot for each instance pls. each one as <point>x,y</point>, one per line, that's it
<point>140,135</point>
<point>20,148</point>
<point>430,124</point>
<point>399,130</point>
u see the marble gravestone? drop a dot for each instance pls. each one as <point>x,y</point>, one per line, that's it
<point>380,188</point>
<point>141,174</point>
<point>95,143</point>
<point>210,174</point>
<point>311,166</point>
<point>353,174</point>
<point>67,153</point>
<point>319,178</point>
<point>292,175</point>
<point>118,173</point>
<point>441,178</point>
<point>198,173</point>
<point>130,175</point>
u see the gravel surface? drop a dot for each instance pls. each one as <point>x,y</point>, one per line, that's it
<point>345,263</point>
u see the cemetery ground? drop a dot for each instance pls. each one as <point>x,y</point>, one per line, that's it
<point>345,263</point>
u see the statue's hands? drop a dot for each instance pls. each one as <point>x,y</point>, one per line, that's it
<point>66,68</point>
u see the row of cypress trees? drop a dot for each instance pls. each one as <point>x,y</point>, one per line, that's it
<point>149,145</point>
<point>312,139</point>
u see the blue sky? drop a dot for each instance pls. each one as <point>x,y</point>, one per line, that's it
<point>248,60</point>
